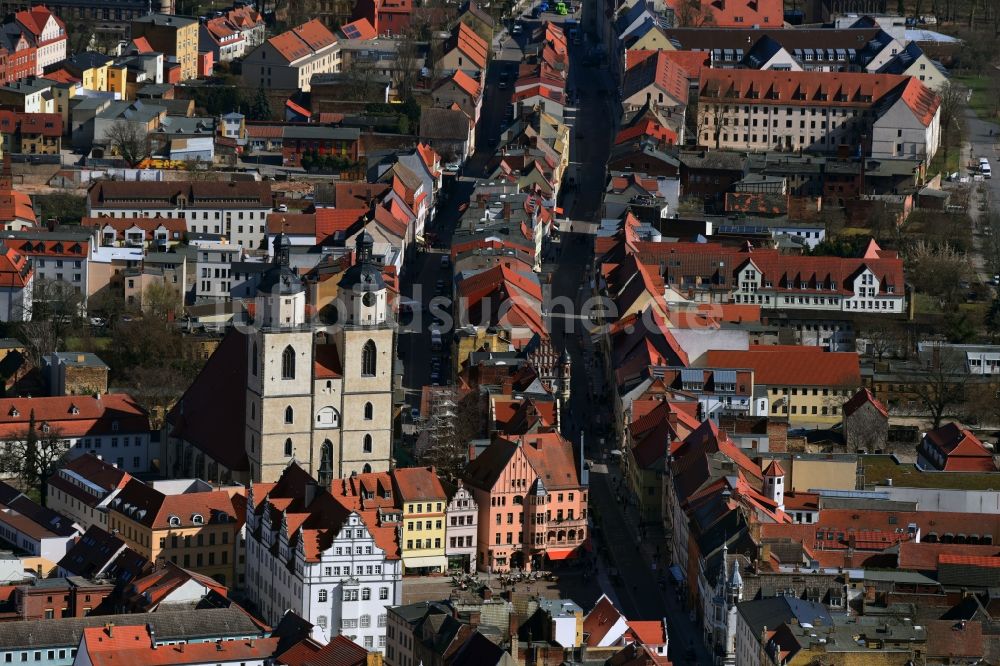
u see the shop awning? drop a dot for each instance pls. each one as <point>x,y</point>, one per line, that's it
<point>561,554</point>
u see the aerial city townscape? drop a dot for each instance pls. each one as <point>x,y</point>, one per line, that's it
<point>499,332</point>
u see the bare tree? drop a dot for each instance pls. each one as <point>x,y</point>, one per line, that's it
<point>938,271</point>
<point>952,103</point>
<point>156,389</point>
<point>128,140</point>
<point>940,389</point>
<point>41,340</point>
<point>34,454</point>
<point>885,339</point>
<point>162,300</point>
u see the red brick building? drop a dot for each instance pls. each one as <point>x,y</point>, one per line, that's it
<point>53,598</point>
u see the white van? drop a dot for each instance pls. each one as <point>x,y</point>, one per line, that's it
<point>984,168</point>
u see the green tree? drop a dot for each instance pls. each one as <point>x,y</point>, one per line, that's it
<point>260,107</point>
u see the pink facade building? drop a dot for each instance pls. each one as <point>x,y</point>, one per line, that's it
<point>532,505</point>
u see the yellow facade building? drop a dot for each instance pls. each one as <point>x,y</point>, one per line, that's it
<point>174,36</point>
<point>199,531</point>
<point>423,500</point>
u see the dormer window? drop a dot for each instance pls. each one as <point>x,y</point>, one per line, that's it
<point>13,412</point>
<point>198,519</point>
<point>45,428</point>
<point>174,521</point>
<point>114,426</point>
<point>73,409</point>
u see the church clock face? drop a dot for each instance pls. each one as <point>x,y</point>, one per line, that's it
<point>368,299</point>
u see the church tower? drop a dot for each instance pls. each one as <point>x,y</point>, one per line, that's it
<point>280,362</point>
<point>365,342</point>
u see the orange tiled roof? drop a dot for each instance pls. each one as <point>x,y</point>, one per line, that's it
<point>738,13</point>
<point>418,483</point>
<point>792,366</point>
<point>829,89</point>
<point>133,646</point>
<point>468,84</point>
<point>468,42</point>
<point>74,416</point>
<point>302,40</point>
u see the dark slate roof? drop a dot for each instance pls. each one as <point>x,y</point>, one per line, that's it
<point>776,611</point>
<point>445,124</point>
<point>189,624</point>
<point>478,651</point>
<point>212,412</point>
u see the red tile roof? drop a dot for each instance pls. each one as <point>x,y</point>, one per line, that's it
<point>133,646</point>
<point>466,83</point>
<point>469,43</point>
<point>327,364</point>
<point>691,62</point>
<point>796,366</point>
<point>330,221</point>
<point>296,224</point>
<point>149,507</point>
<point>738,13</point>
<point>922,100</point>
<point>94,471</point>
<point>969,560</point>
<point>157,586</point>
<point>954,641</point>
<point>774,469</point>
<point>862,397</point>
<point>142,45</point>
<point>15,269</point>
<point>600,620</point>
<point>962,451</point>
<point>418,484</point>
<point>359,29</point>
<point>149,225</point>
<point>551,457</point>
<point>660,71</point>
<point>826,89</point>
<point>303,40</point>
<point>74,416</point>
<point>648,632</point>
<point>340,651</point>
<point>517,415</point>
<point>923,556</point>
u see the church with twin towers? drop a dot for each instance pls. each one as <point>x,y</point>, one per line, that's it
<point>293,389</point>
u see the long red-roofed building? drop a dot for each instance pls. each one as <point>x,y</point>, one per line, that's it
<point>717,273</point>
<point>888,115</point>
<point>112,425</point>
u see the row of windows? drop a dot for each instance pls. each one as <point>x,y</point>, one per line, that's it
<point>353,594</point>
<point>37,655</point>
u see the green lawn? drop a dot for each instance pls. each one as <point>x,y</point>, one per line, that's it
<point>981,102</point>
<point>879,468</point>
<point>925,304</point>
<point>940,165</point>
<point>87,344</point>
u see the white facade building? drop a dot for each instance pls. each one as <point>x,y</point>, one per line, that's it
<point>236,210</point>
<point>461,528</point>
<point>337,568</point>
